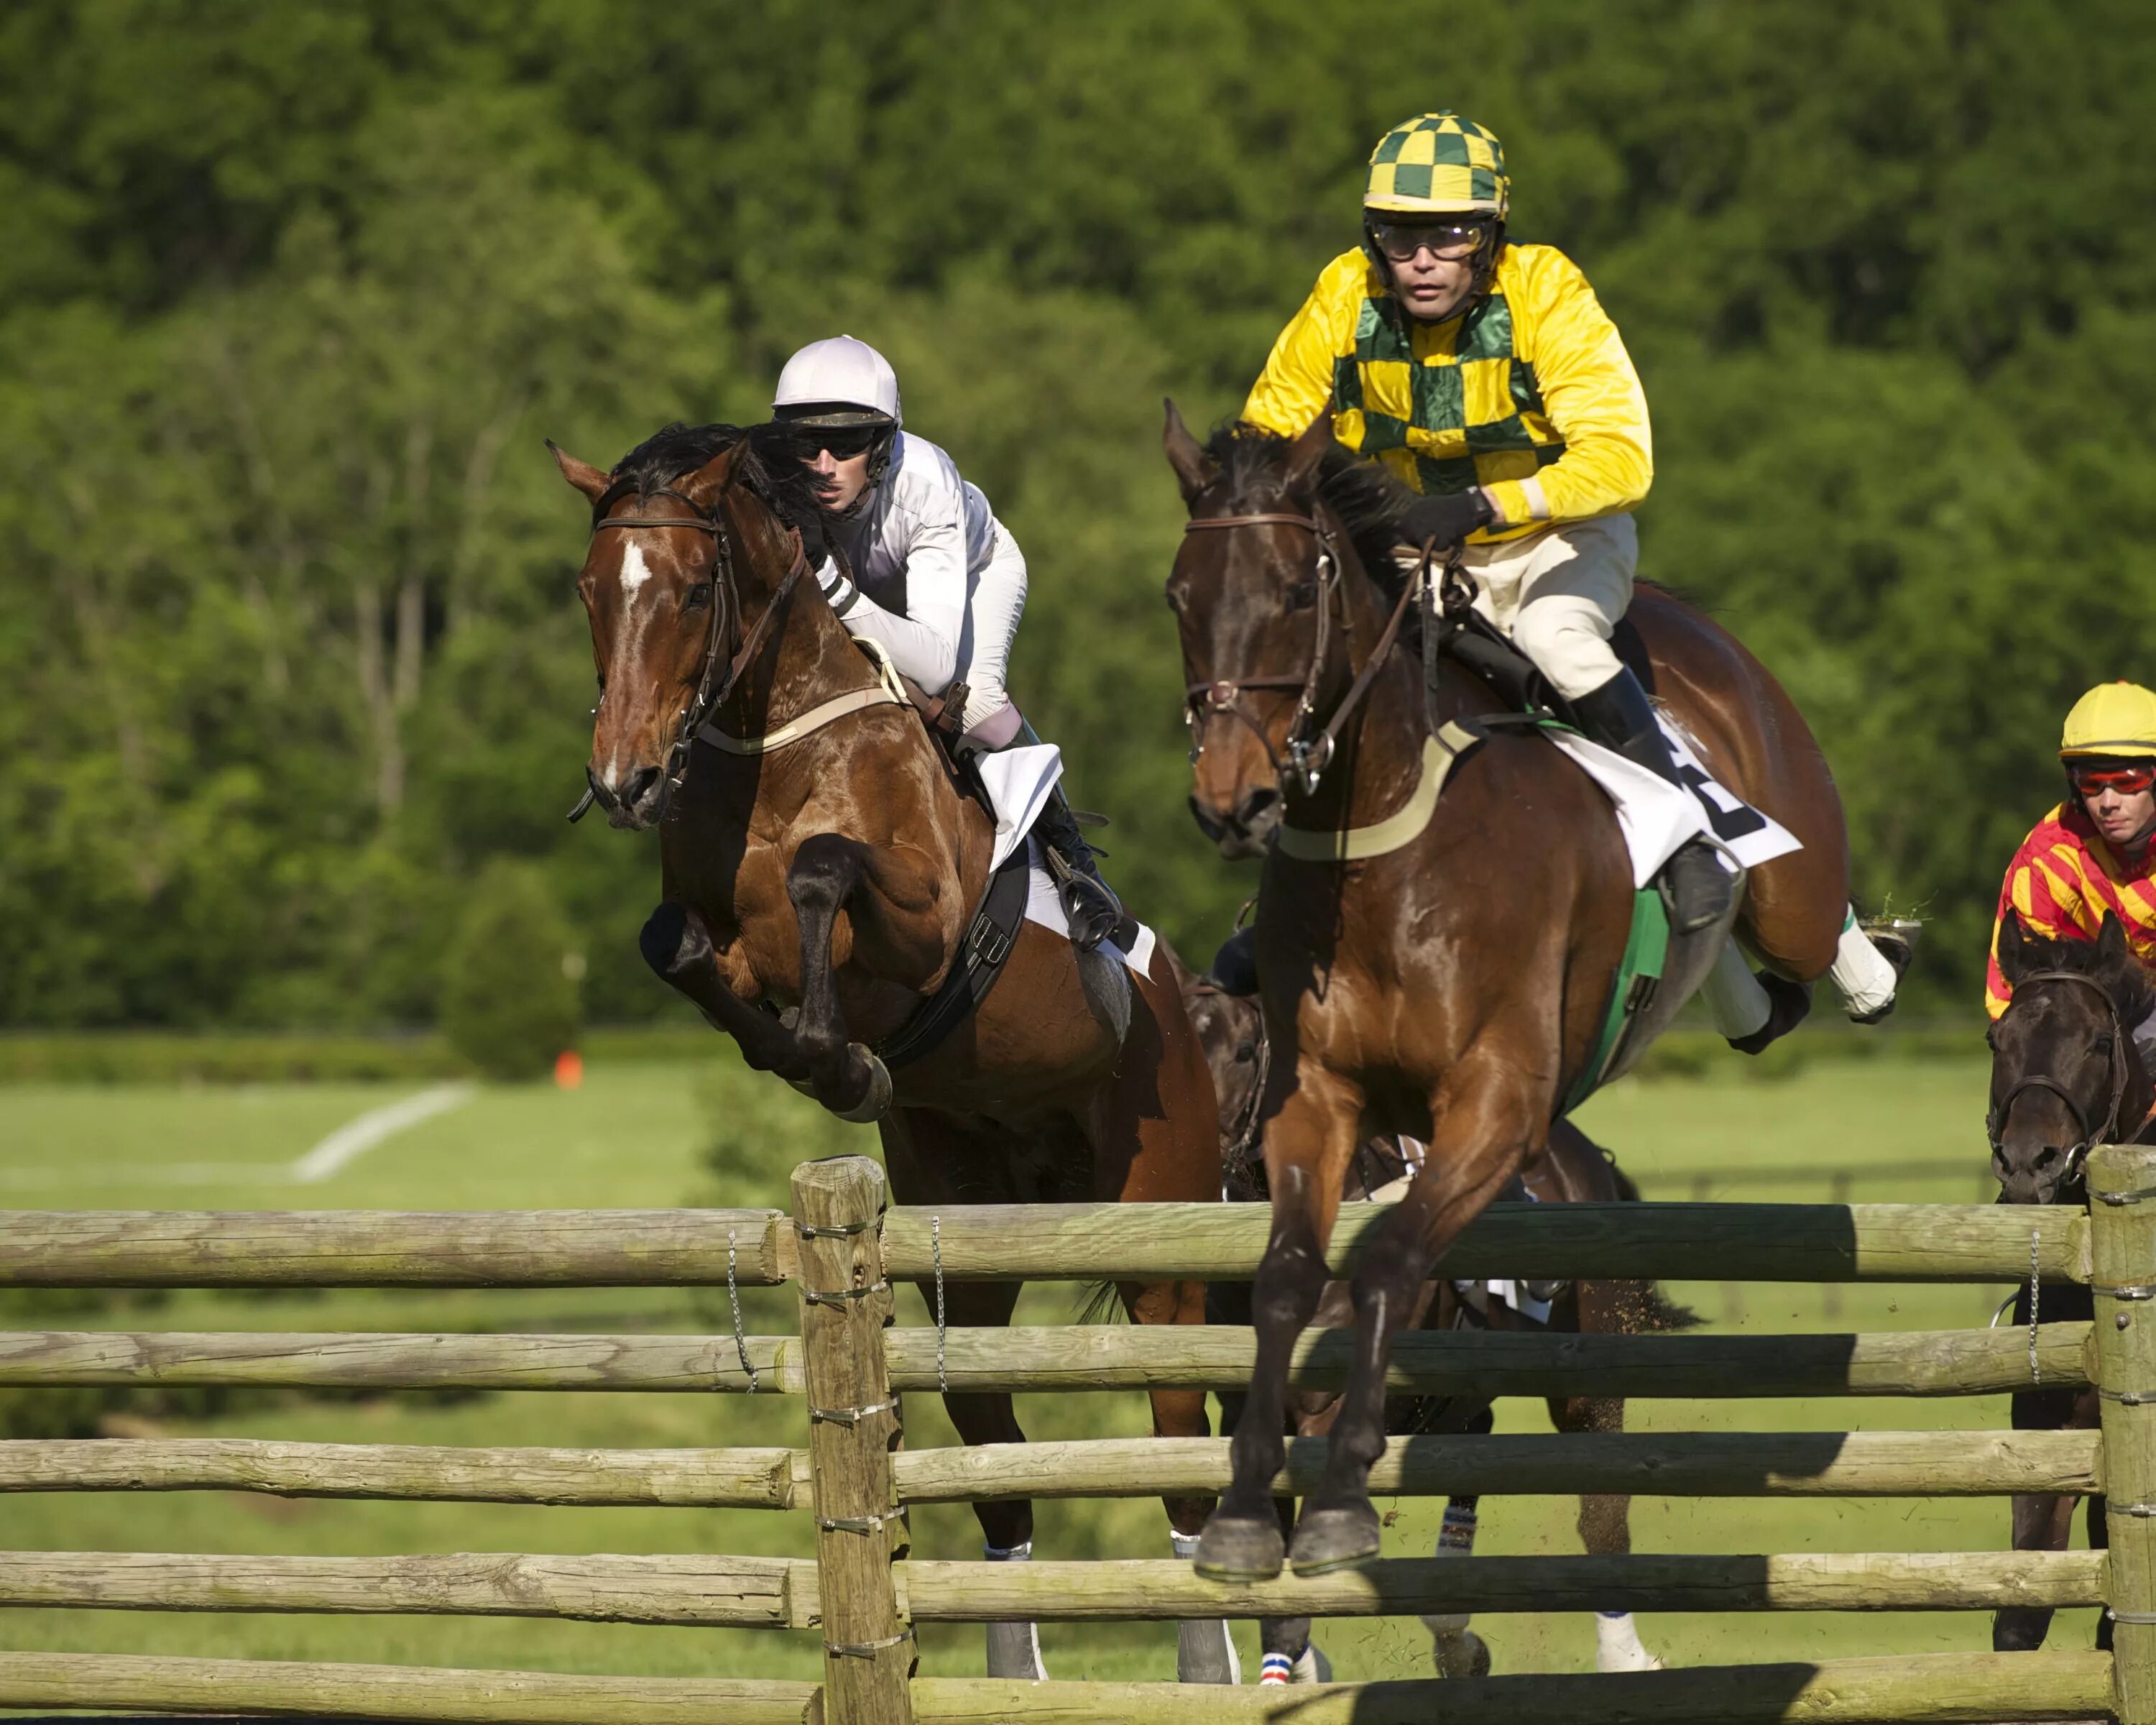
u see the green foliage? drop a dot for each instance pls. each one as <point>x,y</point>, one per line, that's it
<point>509,986</point>
<point>288,645</point>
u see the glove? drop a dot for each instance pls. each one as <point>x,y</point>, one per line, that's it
<point>1448,518</point>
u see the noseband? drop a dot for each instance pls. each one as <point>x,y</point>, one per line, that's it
<point>711,688</point>
<point>2091,1133</point>
<point>1307,756</point>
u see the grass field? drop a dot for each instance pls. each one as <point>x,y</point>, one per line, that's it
<point>666,1134</point>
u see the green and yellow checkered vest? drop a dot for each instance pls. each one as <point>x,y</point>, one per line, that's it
<point>1444,405</point>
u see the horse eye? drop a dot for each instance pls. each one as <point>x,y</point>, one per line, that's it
<point>2103,1045</point>
<point>697,599</point>
<point>1302,596</point>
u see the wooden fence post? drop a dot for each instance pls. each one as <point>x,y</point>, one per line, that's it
<point>2121,1183</point>
<point>853,1427</point>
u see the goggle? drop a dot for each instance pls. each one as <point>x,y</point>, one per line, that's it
<point>2128,781</point>
<point>1446,240</point>
<point>842,443</point>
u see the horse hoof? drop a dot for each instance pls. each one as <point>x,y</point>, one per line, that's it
<point>1205,1653</point>
<point>1240,1548</point>
<point>1461,1654</point>
<point>876,1098</point>
<point>1329,1539</point>
<point>1014,1651</point>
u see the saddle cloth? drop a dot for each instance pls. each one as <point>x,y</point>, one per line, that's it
<point>1656,817</point>
<point>1520,1296</point>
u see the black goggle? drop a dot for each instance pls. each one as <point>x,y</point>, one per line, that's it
<point>841,442</point>
<point>1446,241</point>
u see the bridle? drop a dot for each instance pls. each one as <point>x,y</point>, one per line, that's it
<point>711,688</point>
<point>2092,1132</point>
<point>1301,761</point>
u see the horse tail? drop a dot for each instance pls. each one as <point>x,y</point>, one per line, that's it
<point>1098,1302</point>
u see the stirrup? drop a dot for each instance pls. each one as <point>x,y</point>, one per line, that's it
<point>1094,912</point>
<point>1696,904</point>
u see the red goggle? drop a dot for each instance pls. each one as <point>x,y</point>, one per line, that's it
<point>2126,781</point>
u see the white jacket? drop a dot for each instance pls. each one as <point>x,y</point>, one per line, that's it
<point>918,546</point>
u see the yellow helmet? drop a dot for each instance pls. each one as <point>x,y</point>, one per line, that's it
<point>1436,163</point>
<point>2111,719</point>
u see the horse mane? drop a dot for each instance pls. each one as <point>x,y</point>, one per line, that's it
<point>770,466</point>
<point>2120,974</point>
<point>1366,495</point>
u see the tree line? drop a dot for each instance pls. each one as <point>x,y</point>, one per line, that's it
<point>291,291</point>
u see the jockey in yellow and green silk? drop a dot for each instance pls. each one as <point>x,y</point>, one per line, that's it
<point>2091,857</point>
<point>1486,376</point>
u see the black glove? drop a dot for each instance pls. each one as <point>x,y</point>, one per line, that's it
<point>1448,520</point>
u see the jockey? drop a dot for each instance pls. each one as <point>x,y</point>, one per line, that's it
<point>929,574</point>
<point>2091,857</point>
<point>1486,376</point>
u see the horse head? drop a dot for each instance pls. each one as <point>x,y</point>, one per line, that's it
<point>687,532</point>
<point>2065,1073</point>
<point>1268,614</point>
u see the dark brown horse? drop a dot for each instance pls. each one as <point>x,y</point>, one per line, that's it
<point>2066,1075</point>
<point>1452,985</point>
<point>817,891</point>
<point>1224,1008</point>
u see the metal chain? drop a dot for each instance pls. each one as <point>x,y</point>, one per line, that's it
<point>2036,1294</point>
<point>936,1250</point>
<point>733,1300</point>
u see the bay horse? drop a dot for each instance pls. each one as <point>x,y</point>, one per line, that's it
<point>1452,986</point>
<point>1223,1005</point>
<point>2066,1075</point>
<point>820,871</point>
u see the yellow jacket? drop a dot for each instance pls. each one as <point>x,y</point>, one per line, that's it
<point>1531,396</point>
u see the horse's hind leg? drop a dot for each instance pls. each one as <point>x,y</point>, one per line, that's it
<point>1604,1308</point>
<point>2043,1520</point>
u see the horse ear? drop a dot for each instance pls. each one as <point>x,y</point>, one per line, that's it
<point>2013,949</point>
<point>591,480</point>
<point>1194,470</point>
<point>1306,452</point>
<point>703,486</point>
<point>2111,946</point>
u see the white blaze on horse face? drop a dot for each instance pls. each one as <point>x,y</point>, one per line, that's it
<point>627,646</point>
<point>634,572</point>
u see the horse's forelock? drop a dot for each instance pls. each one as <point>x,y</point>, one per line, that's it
<point>1368,499</point>
<point>771,463</point>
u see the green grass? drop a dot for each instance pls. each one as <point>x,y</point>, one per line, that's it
<point>661,1134</point>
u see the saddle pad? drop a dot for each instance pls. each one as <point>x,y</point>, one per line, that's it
<point>1044,906</point>
<point>1656,817</point>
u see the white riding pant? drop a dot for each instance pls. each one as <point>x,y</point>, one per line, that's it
<point>1558,594</point>
<point>995,600</point>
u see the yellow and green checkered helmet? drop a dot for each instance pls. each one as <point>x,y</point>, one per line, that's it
<point>2111,719</point>
<point>1437,163</point>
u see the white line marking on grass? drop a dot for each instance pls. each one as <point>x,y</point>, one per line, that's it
<point>355,1137</point>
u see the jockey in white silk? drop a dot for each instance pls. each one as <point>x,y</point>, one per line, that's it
<point>935,579</point>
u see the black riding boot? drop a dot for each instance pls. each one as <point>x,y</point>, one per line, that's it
<point>1092,909</point>
<point>1094,912</point>
<point>1620,716</point>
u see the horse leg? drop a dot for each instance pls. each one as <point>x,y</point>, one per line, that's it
<point>2099,1533</point>
<point>845,1077</point>
<point>1455,1648</point>
<point>1604,1308</point>
<point>677,946</point>
<point>1488,1122</point>
<point>1308,1143</point>
<point>2043,1520</point>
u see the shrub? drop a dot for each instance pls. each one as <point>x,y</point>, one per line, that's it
<point>509,993</point>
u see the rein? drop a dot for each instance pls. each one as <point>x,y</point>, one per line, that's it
<point>1306,758</point>
<point>2091,1133</point>
<point>711,688</point>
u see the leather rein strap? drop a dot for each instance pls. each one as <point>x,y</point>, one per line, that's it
<point>2090,1131</point>
<point>1306,758</point>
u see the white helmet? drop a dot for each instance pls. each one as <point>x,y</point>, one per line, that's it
<point>838,381</point>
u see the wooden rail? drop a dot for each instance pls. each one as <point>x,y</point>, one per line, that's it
<point>1699,1242</point>
<point>1104,1357</point>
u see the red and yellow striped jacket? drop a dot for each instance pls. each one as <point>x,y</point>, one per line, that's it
<point>2061,882</point>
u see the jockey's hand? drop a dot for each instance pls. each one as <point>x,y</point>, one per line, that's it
<point>1448,518</point>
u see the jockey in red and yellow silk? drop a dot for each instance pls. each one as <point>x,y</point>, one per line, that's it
<point>2091,857</point>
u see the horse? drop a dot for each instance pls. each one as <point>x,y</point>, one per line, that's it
<point>2066,1075</point>
<point>1449,980</point>
<point>821,865</point>
<point>1574,1169</point>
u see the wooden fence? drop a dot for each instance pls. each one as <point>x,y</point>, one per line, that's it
<point>841,1249</point>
